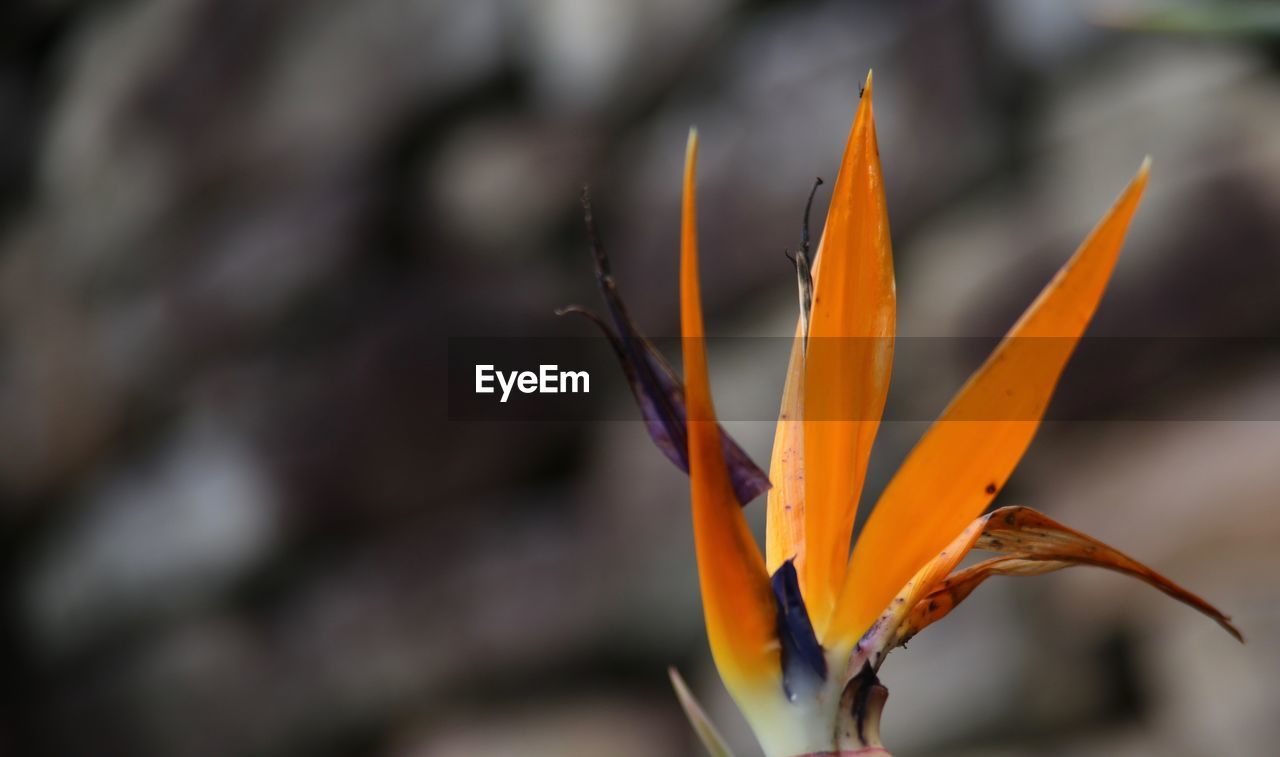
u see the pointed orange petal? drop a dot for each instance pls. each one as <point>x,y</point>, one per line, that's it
<point>884,632</point>
<point>736,597</point>
<point>846,366</point>
<point>964,459</point>
<point>1034,544</point>
<point>958,586</point>
<point>1024,532</point>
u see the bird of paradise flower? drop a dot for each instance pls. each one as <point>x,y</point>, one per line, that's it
<point>799,632</point>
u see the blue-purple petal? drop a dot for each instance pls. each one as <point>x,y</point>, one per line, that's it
<point>658,391</point>
<point>804,663</point>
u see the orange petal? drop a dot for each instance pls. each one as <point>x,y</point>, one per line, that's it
<point>784,518</point>
<point>964,459</point>
<point>951,592</point>
<point>736,597</point>
<point>1037,544</point>
<point>822,463</point>
<point>883,633</point>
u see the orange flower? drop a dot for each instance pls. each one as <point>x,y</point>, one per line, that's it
<point>799,632</point>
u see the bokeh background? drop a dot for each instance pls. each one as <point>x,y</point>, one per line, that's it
<point>234,237</point>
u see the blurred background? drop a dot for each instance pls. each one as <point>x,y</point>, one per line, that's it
<point>235,518</point>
